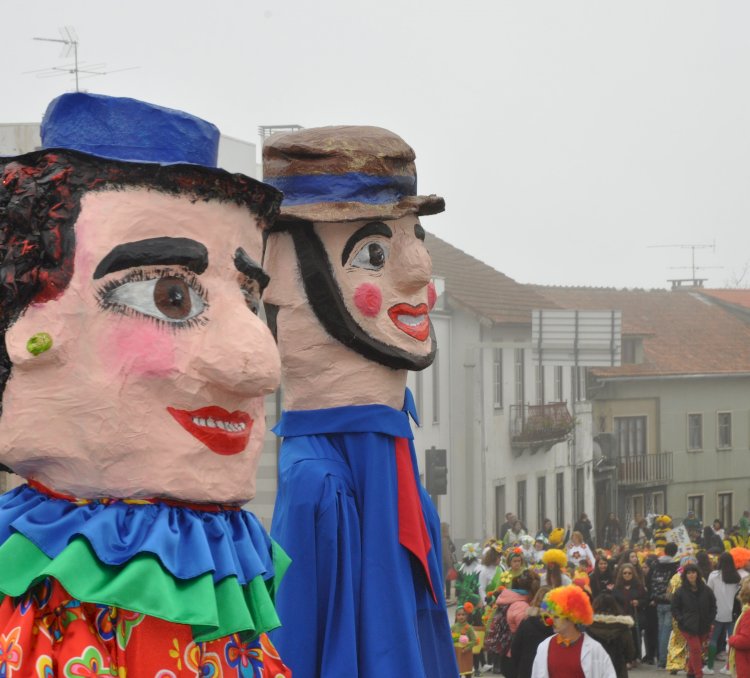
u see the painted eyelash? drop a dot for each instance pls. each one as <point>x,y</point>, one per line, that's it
<point>139,274</point>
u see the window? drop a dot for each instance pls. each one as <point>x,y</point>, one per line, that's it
<point>695,431</point>
<point>657,499</point>
<point>724,501</point>
<point>560,499</point>
<point>520,376</point>
<point>436,388</point>
<point>497,363</point>
<point>541,499</point>
<point>558,384</point>
<point>579,491</point>
<point>499,507</point>
<point>695,504</point>
<point>724,430</point>
<point>539,379</point>
<point>628,351</point>
<point>521,501</point>
<point>631,435</point>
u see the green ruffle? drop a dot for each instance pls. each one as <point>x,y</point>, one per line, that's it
<point>212,609</point>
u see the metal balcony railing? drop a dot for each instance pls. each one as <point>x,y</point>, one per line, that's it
<point>644,469</point>
<point>540,423</point>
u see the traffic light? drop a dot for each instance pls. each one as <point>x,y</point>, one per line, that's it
<point>436,471</point>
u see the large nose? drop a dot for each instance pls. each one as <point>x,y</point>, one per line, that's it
<point>237,351</point>
<point>412,266</point>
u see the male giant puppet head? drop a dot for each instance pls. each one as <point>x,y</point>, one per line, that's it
<point>349,300</point>
<point>132,359</point>
<point>350,291</point>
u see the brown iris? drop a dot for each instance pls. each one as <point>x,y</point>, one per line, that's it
<point>172,298</point>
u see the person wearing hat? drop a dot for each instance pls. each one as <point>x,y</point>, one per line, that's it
<point>570,653</point>
<point>349,302</point>
<point>133,371</point>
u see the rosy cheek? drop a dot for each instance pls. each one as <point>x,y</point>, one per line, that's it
<point>368,299</point>
<point>431,295</point>
<point>140,348</point>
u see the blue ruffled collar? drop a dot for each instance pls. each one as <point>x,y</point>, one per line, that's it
<point>189,542</point>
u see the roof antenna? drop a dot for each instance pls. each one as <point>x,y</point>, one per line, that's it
<point>69,40</point>
<point>693,281</point>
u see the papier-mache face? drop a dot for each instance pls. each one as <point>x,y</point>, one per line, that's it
<point>351,291</point>
<point>154,385</point>
<point>137,262</point>
<point>383,272</point>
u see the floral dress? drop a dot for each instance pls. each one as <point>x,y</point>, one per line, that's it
<point>142,588</point>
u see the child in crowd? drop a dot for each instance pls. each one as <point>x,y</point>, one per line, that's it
<point>464,640</point>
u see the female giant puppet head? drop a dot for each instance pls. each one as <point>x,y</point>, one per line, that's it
<point>351,291</point>
<point>132,359</point>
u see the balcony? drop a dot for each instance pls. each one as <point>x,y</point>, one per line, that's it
<point>645,469</point>
<point>538,427</point>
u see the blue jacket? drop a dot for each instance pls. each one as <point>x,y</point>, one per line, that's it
<point>354,603</point>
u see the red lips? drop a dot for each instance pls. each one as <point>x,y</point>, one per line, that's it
<point>402,314</point>
<point>220,431</point>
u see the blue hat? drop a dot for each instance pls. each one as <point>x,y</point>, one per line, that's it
<point>128,130</point>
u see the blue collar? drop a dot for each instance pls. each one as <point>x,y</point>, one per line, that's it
<point>350,419</point>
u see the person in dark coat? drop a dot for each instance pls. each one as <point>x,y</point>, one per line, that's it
<point>694,610</point>
<point>531,631</point>
<point>603,576</point>
<point>612,531</point>
<point>632,597</point>
<point>612,629</point>
<point>711,541</point>
<point>584,526</point>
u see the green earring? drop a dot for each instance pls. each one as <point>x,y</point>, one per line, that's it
<point>39,343</point>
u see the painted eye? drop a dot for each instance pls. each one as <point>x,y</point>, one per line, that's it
<point>371,257</point>
<point>251,292</point>
<point>168,298</point>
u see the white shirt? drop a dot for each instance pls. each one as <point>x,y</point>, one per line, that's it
<point>724,593</point>
<point>595,661</point>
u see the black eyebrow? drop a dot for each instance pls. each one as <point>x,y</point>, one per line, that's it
<point>246,265</point>
<point>153,252</point>
<point>373,228</point>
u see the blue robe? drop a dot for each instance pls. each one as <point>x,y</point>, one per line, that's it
<point>354,603</point>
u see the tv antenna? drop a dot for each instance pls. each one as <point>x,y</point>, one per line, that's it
<point>69,41</point>
<point>693,281</point>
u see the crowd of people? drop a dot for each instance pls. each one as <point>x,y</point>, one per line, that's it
<point>650,598</point>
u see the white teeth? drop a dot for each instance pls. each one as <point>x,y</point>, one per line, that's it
<point>223,425</point>
<point>411,320</point>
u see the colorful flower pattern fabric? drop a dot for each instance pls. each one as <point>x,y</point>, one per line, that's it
<point>48,633</point>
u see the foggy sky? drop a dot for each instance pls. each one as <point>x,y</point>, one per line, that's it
<point>567,137</point>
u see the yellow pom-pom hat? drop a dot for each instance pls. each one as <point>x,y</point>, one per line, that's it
<point>555,556</point>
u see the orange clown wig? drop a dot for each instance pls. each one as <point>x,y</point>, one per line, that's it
<point>569,602</point>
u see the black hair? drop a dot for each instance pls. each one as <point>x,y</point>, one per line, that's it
<point>729,574</point>
<point>40,200</point>
<point>605,603</point>
<point>692,567</point>
<point>670,549</point>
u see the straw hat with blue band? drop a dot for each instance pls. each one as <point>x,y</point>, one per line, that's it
<point>345,173</point>
<point>130,131</point>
